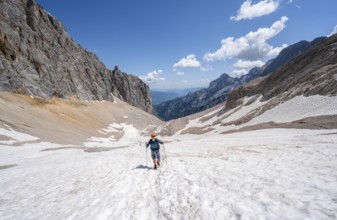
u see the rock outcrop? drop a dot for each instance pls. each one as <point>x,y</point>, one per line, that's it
<point>219,89</point>
<point>39,58</point>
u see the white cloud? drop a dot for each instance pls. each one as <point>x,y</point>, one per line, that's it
<point>246,64</point>
<point>243,67</point>
<point>189,61</point>
<point>249,10</point>
<point>238,73</point>
<point>180,73</point>
<point>276,50</point>
<point>252,46</point>
<point>333,32</point>
<point>204,81</point>
<point>206,68</point>
<point>185,81</point>
<point>152,77</point>
<point>297,6</point>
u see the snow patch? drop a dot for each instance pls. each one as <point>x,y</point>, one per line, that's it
<point>298,108</point>
<point>197,122</point>
<point>294,109</point>
<point>15,135</point>
<point>130,136</point>
<point>246,109</point>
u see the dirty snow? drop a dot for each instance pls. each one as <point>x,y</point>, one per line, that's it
<point>197,123</point>
<point>300,107</point>
<point>266,174</point>
<point>14,136</point>
<point>294,109</point>
<point>130,134</point>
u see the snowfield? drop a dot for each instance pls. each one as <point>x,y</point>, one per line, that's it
<point>263,174</point>
<point>297,108</point>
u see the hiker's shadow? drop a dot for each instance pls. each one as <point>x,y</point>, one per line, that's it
<point>142,167</point>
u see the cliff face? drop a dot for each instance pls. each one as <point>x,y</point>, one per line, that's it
<point>38,57</point>
<point>132,89</point>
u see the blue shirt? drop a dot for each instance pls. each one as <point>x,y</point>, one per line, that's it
<point>154,144</point>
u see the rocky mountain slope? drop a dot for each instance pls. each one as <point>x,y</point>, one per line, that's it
<point>197,101</point>
<point>69,121</point>
<point>39,58</point>
<point>302,93</point>
<point>219,89</point>
<point>314,72</point>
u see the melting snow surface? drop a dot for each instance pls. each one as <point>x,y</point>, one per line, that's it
<point>300,107</point>
<point>265,174</point>
<point>130,134</point>
<point>14,136</point>
<point>294,109</point>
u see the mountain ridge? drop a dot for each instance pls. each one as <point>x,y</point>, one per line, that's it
<point>219,88</point>
<point>301,94</point>
<point>312,72</point>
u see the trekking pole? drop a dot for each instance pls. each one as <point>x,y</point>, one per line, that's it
<point>146,152</point>
<point>164,152</point>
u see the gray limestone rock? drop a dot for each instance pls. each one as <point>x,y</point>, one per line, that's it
<point>39,58</point>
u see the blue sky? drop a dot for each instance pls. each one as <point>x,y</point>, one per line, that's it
<point>188,43</point>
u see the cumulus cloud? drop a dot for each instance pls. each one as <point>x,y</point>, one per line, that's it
<point>249,10</point>
<point>252,46</point>
<point>243,67</point>
<point>206,68</point>
<point>238,73</point>
<point>246,64</point>
<point>152,77</point>
<point>179,73</point>
<point>333,32</point>
<point>189,61</point>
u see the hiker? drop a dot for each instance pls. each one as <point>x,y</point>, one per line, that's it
<point>155,154</point>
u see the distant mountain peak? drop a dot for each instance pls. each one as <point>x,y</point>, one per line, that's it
<point>221,87</point>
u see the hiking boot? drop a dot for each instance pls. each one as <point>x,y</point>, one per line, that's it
<point>155,166</point>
